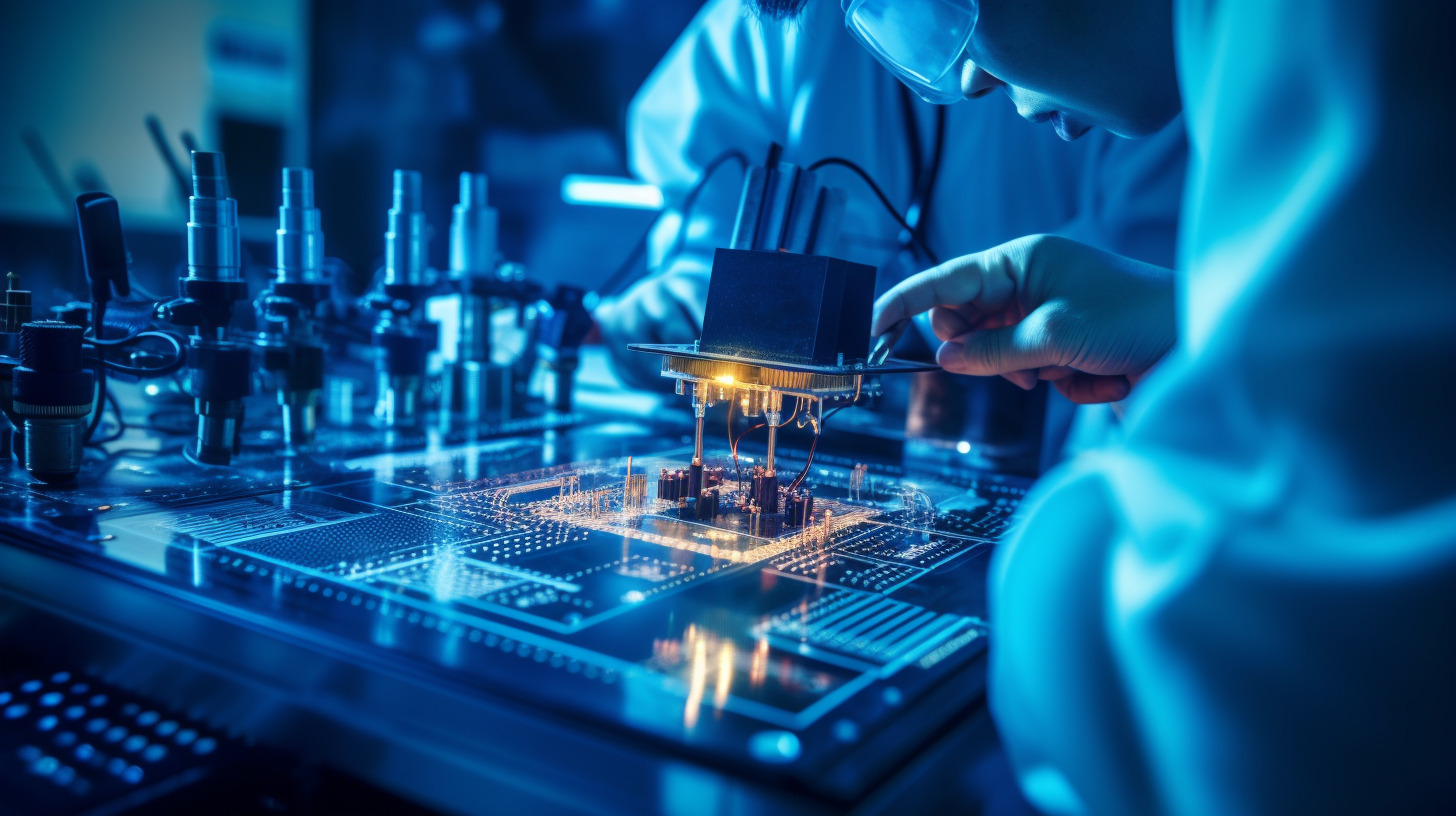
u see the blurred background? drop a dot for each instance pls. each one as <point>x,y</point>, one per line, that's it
<point>528,91</point>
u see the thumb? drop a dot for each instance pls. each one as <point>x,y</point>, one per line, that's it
<point>1024,346</point>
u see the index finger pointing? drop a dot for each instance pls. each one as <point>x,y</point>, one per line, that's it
<point>966,279</point>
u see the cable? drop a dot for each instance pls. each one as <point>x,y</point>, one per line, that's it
<point>100,401</point>
<point>927,195</point>
<point>798,403</point>
<point>732,448</point>
<point>121,426</point>
<point>623,276</point>
<point>884,200</point>
<point>177,361</point>
<point>798,480</point>
<point>691,198</point>
<point>818,429</point>
<point>735,452</point>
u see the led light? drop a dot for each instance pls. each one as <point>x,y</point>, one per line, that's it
<point>608,191</point>
<point>725,379</point>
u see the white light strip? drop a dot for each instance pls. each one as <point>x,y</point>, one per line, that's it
<point>609,191</point>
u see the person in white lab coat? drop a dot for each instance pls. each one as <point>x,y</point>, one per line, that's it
<point>1247,605</point>
<point>734,81</point>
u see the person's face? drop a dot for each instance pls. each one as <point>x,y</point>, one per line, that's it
<point>1077,64</point>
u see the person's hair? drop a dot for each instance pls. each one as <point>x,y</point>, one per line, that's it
<point>777,9</point>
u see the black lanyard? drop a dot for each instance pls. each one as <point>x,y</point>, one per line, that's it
<point>923,175</point>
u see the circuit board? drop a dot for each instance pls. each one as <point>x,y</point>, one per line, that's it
<point>529,568</point>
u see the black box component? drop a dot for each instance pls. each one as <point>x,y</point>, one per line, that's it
<point>786,307</point>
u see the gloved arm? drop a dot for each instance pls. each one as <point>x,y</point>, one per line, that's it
<point>1236,611</point>
<point>664,308</point>
<point>1043,307</point>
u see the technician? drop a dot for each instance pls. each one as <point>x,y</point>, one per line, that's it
<point>967,177</point>
<point>1246,606</point>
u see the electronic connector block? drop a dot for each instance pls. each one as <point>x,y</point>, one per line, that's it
<point>778,326</point>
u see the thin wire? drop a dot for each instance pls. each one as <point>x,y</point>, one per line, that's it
<point>691,198</point>
<point>99,402</point>
<point>121,426</point>
<point>733,449</point>
<point>818,429</point>
<point>623,277</point>
<point>884,200</point>
<point>179,354</point>
<point>750,430</point>
<point>733,443</point>
<point>794,485</point>
<point>798,403</point>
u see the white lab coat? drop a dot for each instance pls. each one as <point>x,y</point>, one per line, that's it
<point>734,81</point>
<point>1249,606</point>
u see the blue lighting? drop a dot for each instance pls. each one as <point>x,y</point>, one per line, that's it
<point>774,747</point>
<point>610,191</point>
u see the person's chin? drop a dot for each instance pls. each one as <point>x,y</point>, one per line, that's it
<point>1069,130</point>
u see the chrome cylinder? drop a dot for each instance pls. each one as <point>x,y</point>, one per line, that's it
<point>300,229</point>
<point>406,243</point>
<point>474,229</point>
<point>300,416</point>
<point>54,448</point>
<point>399,401</point>
<point>213,250</point>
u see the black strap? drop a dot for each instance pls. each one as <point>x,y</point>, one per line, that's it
<point>923,175</point>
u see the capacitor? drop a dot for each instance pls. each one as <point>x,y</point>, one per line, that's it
<point>766,492</point>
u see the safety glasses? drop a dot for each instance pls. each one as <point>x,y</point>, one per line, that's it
<point>920,41</point>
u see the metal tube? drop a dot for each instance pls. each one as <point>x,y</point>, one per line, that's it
<point>407,240</point>
<point>700,407</point>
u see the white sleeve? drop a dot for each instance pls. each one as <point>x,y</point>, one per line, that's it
<point>1248,606</point>
<point>699,101</point>
<point>732,81</point>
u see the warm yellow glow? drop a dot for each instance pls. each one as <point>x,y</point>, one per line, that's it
<point>725,675</point>
<point>758,669</point>
<point>697,682</point>
<point>725,379</point>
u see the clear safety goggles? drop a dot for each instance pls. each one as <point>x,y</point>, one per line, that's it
<point>920,41</point>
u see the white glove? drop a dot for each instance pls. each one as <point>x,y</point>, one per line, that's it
<point>665,308</point>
